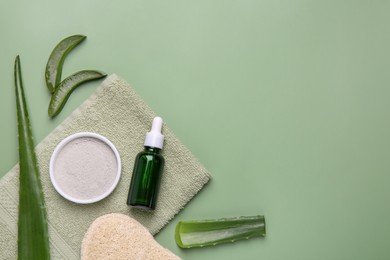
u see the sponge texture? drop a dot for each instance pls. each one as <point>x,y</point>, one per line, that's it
<point>117,236</point>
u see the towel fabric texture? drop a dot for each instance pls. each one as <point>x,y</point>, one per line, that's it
<point>118,113</point>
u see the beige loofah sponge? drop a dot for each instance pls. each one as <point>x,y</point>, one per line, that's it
<point>117,236</point>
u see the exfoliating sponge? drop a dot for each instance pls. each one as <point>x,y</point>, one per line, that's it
<point>117,236</point>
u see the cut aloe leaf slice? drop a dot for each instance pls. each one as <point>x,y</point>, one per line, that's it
<point>56,60</point>
<point>33,238</point>
<point>199,233</point>
<point>66,87</point>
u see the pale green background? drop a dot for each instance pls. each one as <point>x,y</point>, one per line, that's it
<point>287,103</point>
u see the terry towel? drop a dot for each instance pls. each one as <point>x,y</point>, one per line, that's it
<point>115,111</point>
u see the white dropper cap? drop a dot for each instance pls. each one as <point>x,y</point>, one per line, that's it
<point>154,138</point>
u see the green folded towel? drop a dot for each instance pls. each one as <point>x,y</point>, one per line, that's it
<point>118,113</point>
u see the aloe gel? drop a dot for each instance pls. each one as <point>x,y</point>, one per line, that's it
<point>148,168</point>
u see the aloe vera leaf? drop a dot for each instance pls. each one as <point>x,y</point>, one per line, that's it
<point>33,238</point>
<point>56,60</point>
<point>199,233</point>
<point>66,87</point>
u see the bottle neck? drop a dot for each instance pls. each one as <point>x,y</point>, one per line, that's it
<point>152,149</point>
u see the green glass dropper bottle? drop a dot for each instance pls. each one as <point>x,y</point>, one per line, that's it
<point>148,168</point>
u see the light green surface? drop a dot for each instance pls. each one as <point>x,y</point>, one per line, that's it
<point>285,102</point>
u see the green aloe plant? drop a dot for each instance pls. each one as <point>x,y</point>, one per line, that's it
<point>199,233</point>
<point>57,58</point>
<point>66,87</point>
<point>61,90</point>
<point>33,238</point>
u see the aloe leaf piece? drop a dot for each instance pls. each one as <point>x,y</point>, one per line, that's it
<point>33,238</point>
<point>199,233</point>
<point>56,60</point>
<point>66,87</point>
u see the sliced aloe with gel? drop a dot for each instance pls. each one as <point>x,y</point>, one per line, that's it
<point>199,233</point>
<point>61,90</point>
<point>33,238</point>
<point>56,60</point>
<point>66,87</point>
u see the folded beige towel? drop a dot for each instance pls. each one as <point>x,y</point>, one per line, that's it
<point>116,112</point>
